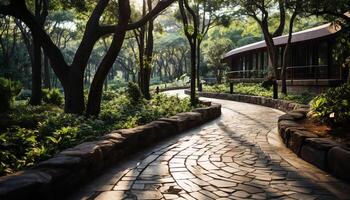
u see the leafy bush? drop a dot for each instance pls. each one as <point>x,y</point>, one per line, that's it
<point>134,92</point>
<point>27,116</point>
<point>53,96</point>
<point>109,95</point>
<point>35,133</point>
<point>8,91</point>
<point>220,88</point>
<point>252,89</point>
<point>333,106</point>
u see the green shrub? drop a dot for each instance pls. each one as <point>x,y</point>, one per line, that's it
<point>36,133</point>
<point>19,148</point>
<point>109,95</point>
<point>53,96</point>
<point>8,91</point>
<point>27,116</point>
<point>219,88</point>
<point>333,106</point>
<point>134,92</point>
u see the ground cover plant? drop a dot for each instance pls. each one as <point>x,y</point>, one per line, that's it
<point>257,90</point>
<point>29,134</point>
<point>333,107</point>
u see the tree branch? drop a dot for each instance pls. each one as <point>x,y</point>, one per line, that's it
<point>108,29</point>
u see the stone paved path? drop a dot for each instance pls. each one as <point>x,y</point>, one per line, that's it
<point>238,156</point>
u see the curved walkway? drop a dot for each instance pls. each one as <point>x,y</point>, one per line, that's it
<point>237,156</point>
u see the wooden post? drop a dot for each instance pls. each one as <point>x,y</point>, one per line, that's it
<point>231,88</point>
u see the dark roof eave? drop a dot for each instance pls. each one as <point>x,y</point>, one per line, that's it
<point>309,34</point>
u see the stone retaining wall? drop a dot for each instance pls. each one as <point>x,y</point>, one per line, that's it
<point>324,153</point>
<point>56,177</point>
<point>264,101</point>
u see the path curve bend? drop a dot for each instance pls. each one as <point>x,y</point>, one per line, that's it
<point>238,156</point>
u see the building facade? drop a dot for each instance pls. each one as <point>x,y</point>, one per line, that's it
<point>311,68</point>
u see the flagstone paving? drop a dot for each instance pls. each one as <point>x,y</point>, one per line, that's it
<point>238,156</point>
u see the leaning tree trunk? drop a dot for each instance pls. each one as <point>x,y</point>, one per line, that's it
<point>95,94</point>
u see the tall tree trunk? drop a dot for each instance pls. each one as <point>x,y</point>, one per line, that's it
<point>36,74</point>
<point>272,53</point>
<point>192,39</point>
<point>193,73</point>
<point>148,55</point>
<point>74,91</point>
<point>198,62</point>
<point>286,55</point>
<point>41,12</point>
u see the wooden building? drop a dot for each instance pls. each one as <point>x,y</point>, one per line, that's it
<point>312,66</point>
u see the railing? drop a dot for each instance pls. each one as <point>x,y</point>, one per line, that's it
<point>314,72</point>
<point>246,74</point>
<point>210,80</point>
<point>306,72</point>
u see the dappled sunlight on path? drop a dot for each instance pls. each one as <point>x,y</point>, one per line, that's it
<point>229,158</point>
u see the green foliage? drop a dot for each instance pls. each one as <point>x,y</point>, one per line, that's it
<point>182,81</point>
<point>53,96</point>
<point>333,107</point>
<point>30,134</point>
<point>219,88</point>
<point>134,92</point>
<point>109,95</point>
<point>8,91</point>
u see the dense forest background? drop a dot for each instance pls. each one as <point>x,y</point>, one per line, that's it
<point>170,60</point>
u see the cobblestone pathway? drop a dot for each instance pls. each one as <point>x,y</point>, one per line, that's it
<point>235,157</point>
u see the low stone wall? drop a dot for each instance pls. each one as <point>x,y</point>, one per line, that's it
<point>264,101</point>
<point>324,153</point>
<point>56,177</point>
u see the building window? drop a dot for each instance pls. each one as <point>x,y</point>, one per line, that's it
<point>266,60</point>
<point>323,53</point>
<point>254,62</point>
<point>258,64</point>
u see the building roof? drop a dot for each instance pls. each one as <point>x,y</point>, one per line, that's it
<point>309,34</point>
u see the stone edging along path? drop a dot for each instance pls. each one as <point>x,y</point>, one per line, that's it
<point>282,105</point>
<point>56,177</point>
<point>324,153</point>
